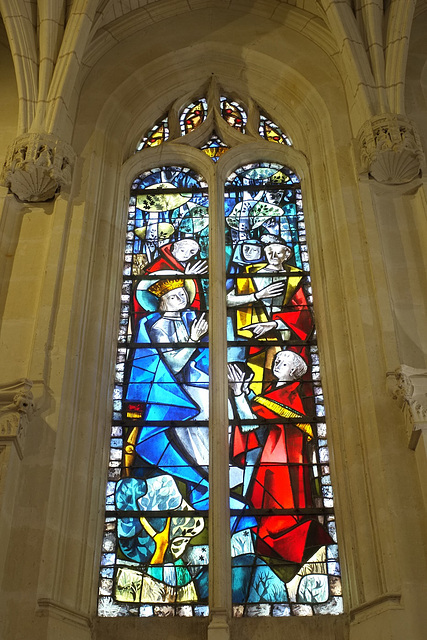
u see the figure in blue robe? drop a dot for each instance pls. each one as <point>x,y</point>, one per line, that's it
<point>169,381</point>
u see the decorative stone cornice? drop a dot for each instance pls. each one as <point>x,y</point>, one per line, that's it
<point>37,166</point>
<point>390,149</point>
<point>16,410</point>
<point>409,387</point>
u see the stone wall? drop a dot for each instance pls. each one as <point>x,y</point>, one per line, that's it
<point>111,74</point>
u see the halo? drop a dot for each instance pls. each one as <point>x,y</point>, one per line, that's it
<point>150,302</point>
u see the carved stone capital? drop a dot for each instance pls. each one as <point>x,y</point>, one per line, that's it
<point>37,165</point>
<point>409,387</point>
<point>390,149</point>
<point>16,410</point>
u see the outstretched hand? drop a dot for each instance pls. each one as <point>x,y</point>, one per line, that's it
<point>271,291</point>
<point>236,378</point>
<point>196,268</point>
<point>199,327</point>
<point>260,328</point>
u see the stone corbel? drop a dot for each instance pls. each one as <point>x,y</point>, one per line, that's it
<point>37,166</point>
<point>390,149</point>
<point>16,410</point>
<point>409,387</point>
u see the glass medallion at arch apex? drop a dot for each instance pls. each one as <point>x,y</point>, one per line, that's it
<point>155,547</point>
<point>214,148</point>
<point>284,551</point>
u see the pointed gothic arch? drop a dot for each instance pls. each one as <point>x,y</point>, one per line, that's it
<point>160,447</point>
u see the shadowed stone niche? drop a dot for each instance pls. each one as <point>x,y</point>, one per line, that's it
<point>37,166</point>
<point>390,149</point>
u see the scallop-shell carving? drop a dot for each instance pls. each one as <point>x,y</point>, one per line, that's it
<point>32,184</point>
<point>37,166</point>
<point>395,167</point>
<point>390,149</point>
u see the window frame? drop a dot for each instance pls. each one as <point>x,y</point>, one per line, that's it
<point>185,151</point>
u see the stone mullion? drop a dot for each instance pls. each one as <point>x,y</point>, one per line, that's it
<point>219,516</point>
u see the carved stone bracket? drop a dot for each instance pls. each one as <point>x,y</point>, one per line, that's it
<point>409,387</point>
<point>37,165</point>
<point>390,149</point>
<point>16,410</point>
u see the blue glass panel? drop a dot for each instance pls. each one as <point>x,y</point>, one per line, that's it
<point>158,493</point>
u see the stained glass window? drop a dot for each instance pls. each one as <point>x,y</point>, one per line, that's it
<point>155,542</point>
<point>193,115</point>
<point>283,541</point>
<point>271,132</point>
<point>233,113</point>
<point>214,148</point>
<point>158,134</point>
<point>285,562</point>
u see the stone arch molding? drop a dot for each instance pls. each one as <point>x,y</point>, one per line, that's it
<point>283,92</point>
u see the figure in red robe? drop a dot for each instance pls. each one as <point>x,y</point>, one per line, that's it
<point>281,476</point>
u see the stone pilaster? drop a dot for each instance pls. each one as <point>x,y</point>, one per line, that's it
<point>37,166</point>
<point>390,149</point>
<point>16,410</point>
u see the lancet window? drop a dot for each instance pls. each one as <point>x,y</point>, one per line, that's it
<point>283,547</point>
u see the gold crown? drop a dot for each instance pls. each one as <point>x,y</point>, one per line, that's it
<point>163,286</point>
